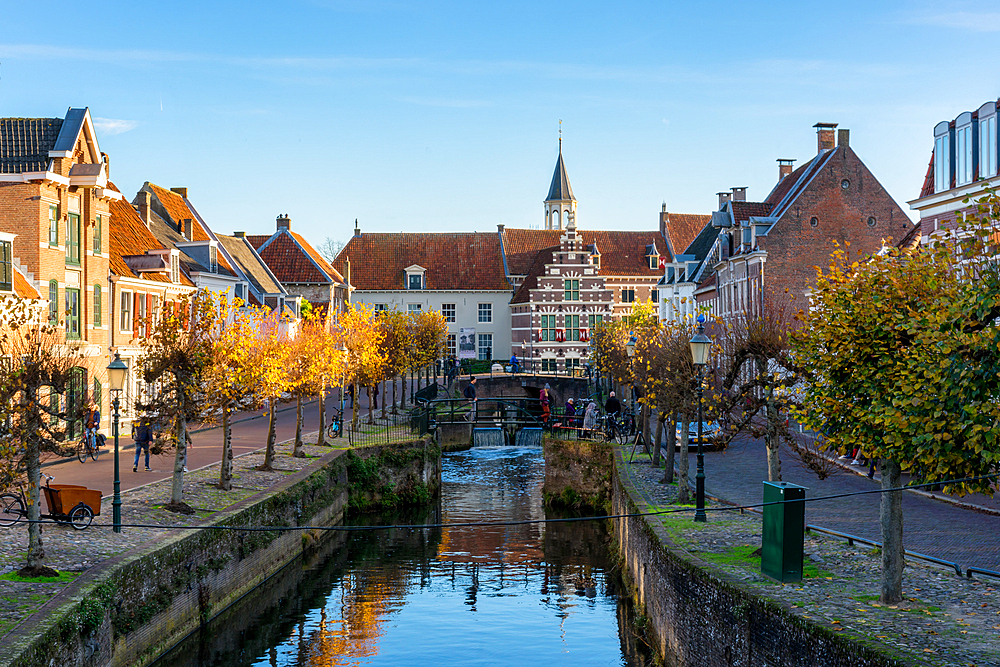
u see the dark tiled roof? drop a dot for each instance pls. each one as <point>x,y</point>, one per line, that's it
<point>928,188</point>
<point>622,253</point>
<point>560,189</point>
<point>743,210</point>
<point>25,143</point>
<point>459,261</point>
<point>537,268</point>
<point>700,246</point>
<point>789,188</point>
<point>252,265</point>
<point>683,228</point>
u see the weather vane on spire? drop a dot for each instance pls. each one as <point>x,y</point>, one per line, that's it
<point>560,135</point>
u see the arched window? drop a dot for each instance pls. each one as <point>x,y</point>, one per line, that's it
<point>556,220</point>
<point>53,302</point>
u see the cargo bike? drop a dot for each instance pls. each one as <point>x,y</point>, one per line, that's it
<point>67,503</point>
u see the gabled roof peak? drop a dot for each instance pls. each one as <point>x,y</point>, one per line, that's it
<point>560,189</point>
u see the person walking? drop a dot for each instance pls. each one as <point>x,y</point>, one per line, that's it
<point>589,419</point>
<point>470,395</point>
<point>143,436</point>
<point>545,397</point>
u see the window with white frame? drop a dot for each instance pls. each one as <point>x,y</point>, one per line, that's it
<point>486,312</point>
<point>988,147</point>
<point>628,295</point>
<point>6,266</point>
<point>125,321</point>
<point>448,312</point>
<point>963,153</point>
<point>213,259</point>
<point>53,224</point>
<point>415,281</point>
<point>485,347</point>
<point>571,290</point>
<point>379,307</point>
<point>548,327</point>
<point>414,307</point>
<point>549,365</point>
<point>572,327</point>
<point>452,346</point>
<point>654,262</point>
<point>140,314</point>
<point>175,268</point>
<point>942,158</point>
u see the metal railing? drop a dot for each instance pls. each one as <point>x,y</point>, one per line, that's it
<point>851,539</point>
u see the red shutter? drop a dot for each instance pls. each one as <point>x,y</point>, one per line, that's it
<point>135,314</point>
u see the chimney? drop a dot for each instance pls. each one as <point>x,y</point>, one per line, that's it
<point>785,167</point>
<point>143,199</point>
<point>284,222</point>
<point>187,228</point>
<point>723,198</point>
<point>664,219</point>
<point>740,194</point>
<point>107,165</point>
<point>500,229</point>
<point>183,192</point>
<point>824,136</point>
<point>240,235</point>
<point>844,138</point>
<point>357,229</point>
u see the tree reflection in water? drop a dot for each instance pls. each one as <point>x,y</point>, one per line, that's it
<point>499,595</point>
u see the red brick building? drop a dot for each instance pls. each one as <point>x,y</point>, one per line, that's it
<point>54,213</point>
<point>775,244</point>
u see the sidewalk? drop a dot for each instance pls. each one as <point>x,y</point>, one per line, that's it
<point>948,531</point>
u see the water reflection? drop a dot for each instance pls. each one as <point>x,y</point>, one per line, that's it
<point>498,595</point>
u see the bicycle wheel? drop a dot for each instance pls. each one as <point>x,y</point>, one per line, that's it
<point>621,436</point>
<point>95,448</point>
<point>11,509</point>
<point>81,516</point>
<point>81,451</point>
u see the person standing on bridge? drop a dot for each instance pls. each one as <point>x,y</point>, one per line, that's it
<point>589,419</point>
<point>612,406</point>
<point>470,394</point>
<point>545,397</point>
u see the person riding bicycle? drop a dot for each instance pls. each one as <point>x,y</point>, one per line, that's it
<point>91,424</point>
<point>515,365</point>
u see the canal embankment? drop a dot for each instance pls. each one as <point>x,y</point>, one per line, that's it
<point>158,583</point>
<point>704,600</point>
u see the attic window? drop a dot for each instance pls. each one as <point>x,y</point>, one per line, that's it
<point>213,259</point>
<point>595,259</point>
<point>6,267</point>
<point>654,262</point>
<point>871,221</point>
<point>416,281</point>
<point>813,221</point>
<point>175,268</point>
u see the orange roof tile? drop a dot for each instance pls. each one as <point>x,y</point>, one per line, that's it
<point>178,209</point>
<point>316,257</point>
<point>454,261</point>
<point>130,236</point>
<point>683,228</point>
<point>23,288</point>
<point>622,253</point>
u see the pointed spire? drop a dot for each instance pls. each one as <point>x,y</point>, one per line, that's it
<point>560,189</point>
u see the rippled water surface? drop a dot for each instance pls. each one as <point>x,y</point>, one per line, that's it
<point>527,594</point>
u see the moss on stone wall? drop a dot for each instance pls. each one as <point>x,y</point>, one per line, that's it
<point>392,477</point>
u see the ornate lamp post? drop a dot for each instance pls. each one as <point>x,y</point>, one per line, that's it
<point>117,373</point>
<point>700,346</point>
<point>630,351</point>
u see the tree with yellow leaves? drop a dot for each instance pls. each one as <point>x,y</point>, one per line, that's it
<point>359,332</point>
<point>270,356</point>
<point>398,346</point>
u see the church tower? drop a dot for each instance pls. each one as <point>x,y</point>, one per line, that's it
<point>560,205</point>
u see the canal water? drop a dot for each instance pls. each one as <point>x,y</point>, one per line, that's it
<point>528,593</point>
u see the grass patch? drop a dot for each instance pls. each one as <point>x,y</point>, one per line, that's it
<point>64,577</point>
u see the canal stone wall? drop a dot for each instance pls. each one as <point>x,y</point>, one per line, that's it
<point>699,616</point>
<point>132,608</point>
<point>577,475</point>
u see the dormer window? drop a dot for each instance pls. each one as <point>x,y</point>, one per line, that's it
<point>654,262</point>
<point>988,140</point>
<point>415,277</point>
<point>175,267</point>
<point>963,149</point>
<point>942,157</point>
<point>213,259</point>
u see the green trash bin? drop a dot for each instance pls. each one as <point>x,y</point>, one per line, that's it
<point>784,527</point>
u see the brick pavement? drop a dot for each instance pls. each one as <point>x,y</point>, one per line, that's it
<point>931,527</point>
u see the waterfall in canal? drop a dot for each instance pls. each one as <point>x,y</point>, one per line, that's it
<point>489,437</point>
<point>528,437</point>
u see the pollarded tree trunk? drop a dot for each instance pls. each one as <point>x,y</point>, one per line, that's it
<point>180,458</point>
<point>33,466</point>
<point>891,518</point>
<point>269,452</point>
<point>683,492</point>
<point>226,469</point>
<point>657,439</point>
<point>668,464</point>
<point>321,438</point>
<point>394,395</point>
<point>644,426</point>
<point>771,440</point>
<point>297,450</point>
<point>355,399</point>
<point>384,396</point>
<point>371,410</point>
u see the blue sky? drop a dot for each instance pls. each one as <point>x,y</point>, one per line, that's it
<point>443,116</point>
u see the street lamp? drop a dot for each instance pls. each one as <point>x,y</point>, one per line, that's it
<point>630,351</point>
<point>117,373</point>
<point>700,346</point>
<point>343,381</point>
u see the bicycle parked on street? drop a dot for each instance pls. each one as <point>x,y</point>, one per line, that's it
<point>335,429</point>
<point>68,503</point>
<point>614,427</point>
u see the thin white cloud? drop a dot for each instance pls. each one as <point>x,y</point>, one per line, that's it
<point>447,103</point>
<point>983,21</point>
<point>114,125</point>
